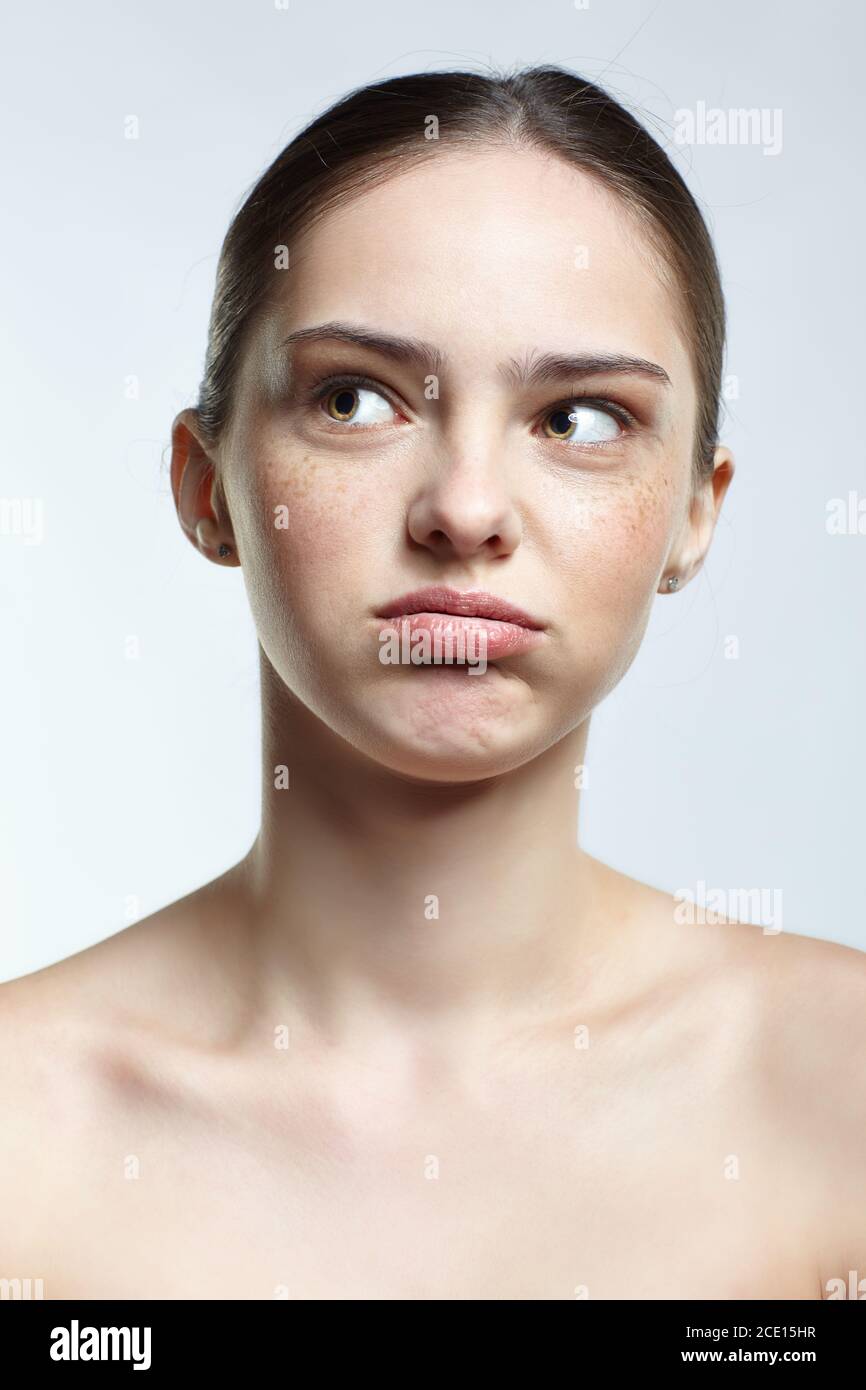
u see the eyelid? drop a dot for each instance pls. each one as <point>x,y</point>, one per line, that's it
<point>324,387</point>
<point>619,412</point>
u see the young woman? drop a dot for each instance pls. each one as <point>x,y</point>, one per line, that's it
<point>462,380</point>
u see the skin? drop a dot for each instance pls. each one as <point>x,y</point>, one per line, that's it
<point>552,1089</point>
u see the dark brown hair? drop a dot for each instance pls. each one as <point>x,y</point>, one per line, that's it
<point>381,129</point>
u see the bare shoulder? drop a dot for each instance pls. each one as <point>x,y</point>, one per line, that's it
<point>795,1008</point>
<point>63,1026</point>
<point>84,1039</point>
<point>813,1041</point>
<point>813,1068</point>
<point>141,970</point>
<point>803,998</point>
<point>809,998</point>
<point>802,1002</point>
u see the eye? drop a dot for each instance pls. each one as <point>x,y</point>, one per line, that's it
<point>357,405</point>
<point>582,423</point>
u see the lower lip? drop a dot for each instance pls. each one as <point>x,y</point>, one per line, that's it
<point>468,639</point>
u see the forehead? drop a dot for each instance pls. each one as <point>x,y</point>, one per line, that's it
<point>486,253</point>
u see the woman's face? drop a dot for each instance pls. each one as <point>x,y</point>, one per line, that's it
<point>464,471</point>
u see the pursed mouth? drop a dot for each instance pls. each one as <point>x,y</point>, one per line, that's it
<point>441,602</point>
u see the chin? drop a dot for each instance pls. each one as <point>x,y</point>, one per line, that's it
<point>449,726</point>
<point>448,766</point>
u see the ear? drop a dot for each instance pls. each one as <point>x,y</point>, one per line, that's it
<point>198,498</point>
<point>687,554</point>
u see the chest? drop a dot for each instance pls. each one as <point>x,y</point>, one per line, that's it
<point>527,1201</point>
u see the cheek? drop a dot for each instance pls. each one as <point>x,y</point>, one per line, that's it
<point>611,558</point>
<point>306,529</point>
<point>619,536</point>
<point>286,504</point>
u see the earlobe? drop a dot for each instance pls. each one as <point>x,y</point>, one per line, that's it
<point>189,466</point>
<point>703,514</point>
<point>192,482</point>
<point>206,533</point>
<point>723,473</point>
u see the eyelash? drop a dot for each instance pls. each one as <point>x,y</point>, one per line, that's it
<point>327,385</point>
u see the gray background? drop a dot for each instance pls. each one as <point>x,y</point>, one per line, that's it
<point>127,783</point>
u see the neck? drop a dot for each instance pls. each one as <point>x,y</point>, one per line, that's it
<point>391,906</point>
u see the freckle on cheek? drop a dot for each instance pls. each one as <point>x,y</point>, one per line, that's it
<point>645,510</point>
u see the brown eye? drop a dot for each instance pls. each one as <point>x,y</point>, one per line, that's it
<point>559,422</point>
<point>342,403</point>
<point>581,424</point>
<point>358,405</point>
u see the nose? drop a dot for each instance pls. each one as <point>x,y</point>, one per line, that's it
<point>466,510</point>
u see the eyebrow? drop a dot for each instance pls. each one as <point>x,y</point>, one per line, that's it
<point>533,370</point>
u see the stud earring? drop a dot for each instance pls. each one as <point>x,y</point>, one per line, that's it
<point>673,582</point>
<point>225,550</point>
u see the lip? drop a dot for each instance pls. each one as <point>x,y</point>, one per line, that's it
<point>483,622</point>
<point>467,603</point>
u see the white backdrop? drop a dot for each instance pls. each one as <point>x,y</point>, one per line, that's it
<point>129,699</point>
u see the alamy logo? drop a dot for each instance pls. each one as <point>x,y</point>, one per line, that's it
<point>76,1343</point>
<point>425,647</point>
<point>734,126</point>
<point>702,904</point>
<point>22,1288</point>
<point>854,1288</point>
<point>22,516</point>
